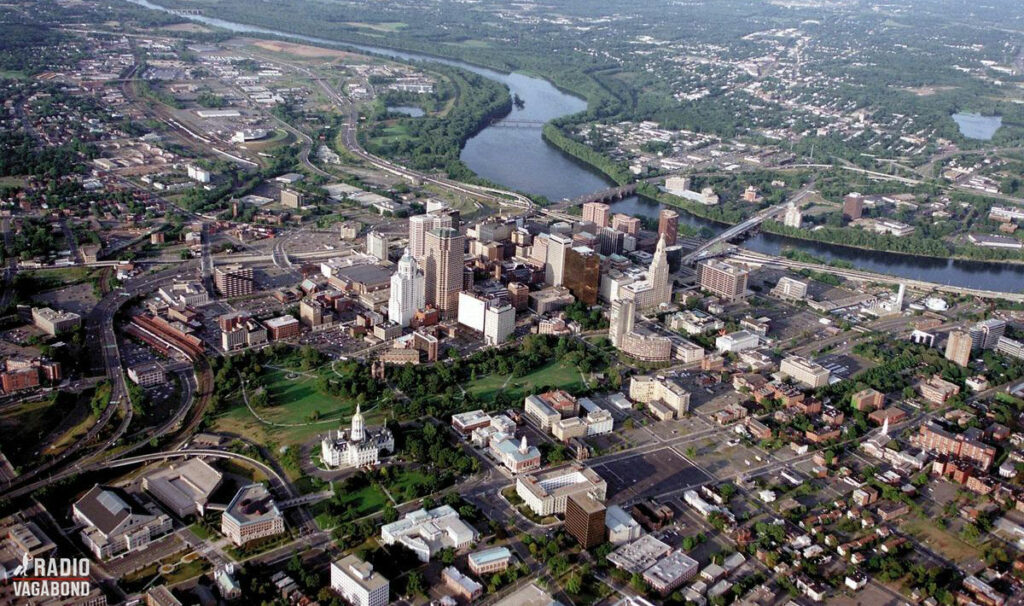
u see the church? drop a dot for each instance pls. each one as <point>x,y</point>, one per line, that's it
<point>358,446</point>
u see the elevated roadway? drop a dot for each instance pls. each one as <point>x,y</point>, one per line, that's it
<point>701,251</point>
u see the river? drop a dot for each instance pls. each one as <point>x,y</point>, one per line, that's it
<point>512,153</point>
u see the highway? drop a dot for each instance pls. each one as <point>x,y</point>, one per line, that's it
<point>754,258</point>
<point>102,320</point>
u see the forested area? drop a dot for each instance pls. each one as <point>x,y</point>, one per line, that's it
<point>908,245</point>
<point>20,154</point>
<point>434,142</point>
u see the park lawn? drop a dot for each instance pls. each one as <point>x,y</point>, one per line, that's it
<point>557,375</point>
<point>136,581</point>
<point>388,27</point>
<point>187,570</point>
<point>201,532</point>
<point>367,500</point>
<point>392,133</point>
<point>405,482</point>
<point>363,502</point>
<point>294,397</point>
<point>940,540</point>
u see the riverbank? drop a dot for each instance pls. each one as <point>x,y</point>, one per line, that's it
<point>577,81</point>
<point>432,142</point>
<point>706,213</point>
<point>554,135</point>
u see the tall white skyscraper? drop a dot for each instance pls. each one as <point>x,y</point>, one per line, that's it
<point>539,250</point>
<point>620,320</point>
<point>658,275</point>
<point>499,323</point>
<point>554,270</point>
<point>408,288</point>
<point>419,225</point>
<point>656,288</point>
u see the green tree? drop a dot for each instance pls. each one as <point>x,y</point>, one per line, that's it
<point>574,583</point>
<point>414,584</point>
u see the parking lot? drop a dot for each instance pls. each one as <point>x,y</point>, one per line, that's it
<point>77,298</point>
<point>649,474</point>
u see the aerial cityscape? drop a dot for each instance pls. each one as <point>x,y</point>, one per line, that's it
<point>450,302</point>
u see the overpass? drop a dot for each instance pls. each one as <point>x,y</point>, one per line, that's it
<point>560,210</point>
<point>605,195</point>
<point>701,251</point>
<point>517,123</point>
<point>276,479</point>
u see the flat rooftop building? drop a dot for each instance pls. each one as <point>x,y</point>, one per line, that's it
<point>622,528</point>
<point>547,492</point>
<point>490,560</point>
<point>639,555</point>
<point>805,371</point>
<point>185,489</point>
<point>425,532</point>
<point>55,322</point>
<point>670,572</point>
<point>359,583</point>
<point>251,515</point>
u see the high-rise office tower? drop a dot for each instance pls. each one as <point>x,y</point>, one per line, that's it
<point>597,213</point>
<point>668,226</point>
<point>554,269</point>
<point>539,250</point>
<point>377,245</point>
<point>723,279</point>
<point>419,225</point>
<point>445,248</point>
<point>853,206</point>
<point>958,348</point>
<point>793,217</point>
<point>658,274</point>
<point>627,224</point>
<point>233,280</point>
<point>408,291</point>
<point>620,320</point>
<point>985,335</point>
<point>584,520</point>
<point>656,289</point>
<point>582,273</point>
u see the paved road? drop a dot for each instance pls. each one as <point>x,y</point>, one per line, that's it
<point>747,225</point>
<point>101,320</point>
